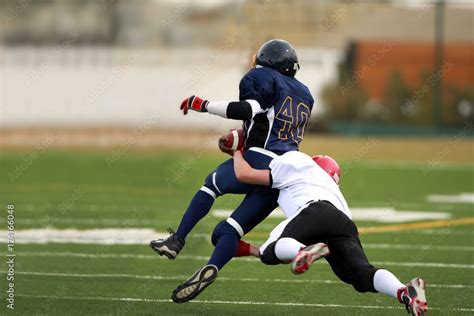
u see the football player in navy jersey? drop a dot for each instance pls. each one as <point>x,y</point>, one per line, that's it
<point>275,108</point>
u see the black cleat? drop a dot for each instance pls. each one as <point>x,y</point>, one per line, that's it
<point>201,279</point>
<point>169,247</point>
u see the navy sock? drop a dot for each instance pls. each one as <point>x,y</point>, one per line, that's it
<point>197,209</point>
<point>225,250</point>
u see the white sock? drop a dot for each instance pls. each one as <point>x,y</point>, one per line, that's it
<point>385,282</point>
<point>287,248</point>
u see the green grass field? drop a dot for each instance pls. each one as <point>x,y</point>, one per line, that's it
<point>60,189</point>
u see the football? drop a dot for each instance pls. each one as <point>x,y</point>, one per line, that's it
<point>232,141</point>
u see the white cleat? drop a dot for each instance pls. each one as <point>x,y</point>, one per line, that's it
<point>307,256</point>
<point>414,298</point>
<point>191,288</point>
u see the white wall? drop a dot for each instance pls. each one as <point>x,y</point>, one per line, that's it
<point>97,87</point>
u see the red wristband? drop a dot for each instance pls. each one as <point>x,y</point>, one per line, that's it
<point>243,249</point>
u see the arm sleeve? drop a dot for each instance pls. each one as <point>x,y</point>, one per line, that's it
<point>235,110</point>
<point>258,84</point>
<point>239,110</point>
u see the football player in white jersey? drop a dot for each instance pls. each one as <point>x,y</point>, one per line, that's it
<point>319,224</point>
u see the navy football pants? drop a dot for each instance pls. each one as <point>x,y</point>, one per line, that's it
<point>258,203</point>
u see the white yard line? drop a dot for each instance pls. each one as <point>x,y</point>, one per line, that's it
<point>90,221</point>
<point>141,236</point>
<point>442,232</point>
<point>377,214</point>
<point>100,254</point>
<point>419,206</point>
<point>107,236</point>
<point>466,198</point>
<point>290,304</point>
<point>183,277</point>
<point>424,264</point>
<point>249,259</point>
<point>413,165</point>
<point>416,247</point>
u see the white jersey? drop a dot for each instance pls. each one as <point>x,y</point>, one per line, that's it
<point>300,180</point>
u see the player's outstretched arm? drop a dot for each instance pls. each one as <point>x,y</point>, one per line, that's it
<point>235,110</point>
<point>246,174</point>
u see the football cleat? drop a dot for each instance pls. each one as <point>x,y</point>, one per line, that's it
<point>201,279</point>
<point>413,296</point>
<point>306,256</point>
<point>169,247</point>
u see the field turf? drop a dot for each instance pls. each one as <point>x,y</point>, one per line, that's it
<point>86,190</point>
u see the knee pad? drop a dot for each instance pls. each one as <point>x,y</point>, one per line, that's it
<point>268,256</point>
<point>364,280</point>
<point>223,228</point>
<point>209,183</point>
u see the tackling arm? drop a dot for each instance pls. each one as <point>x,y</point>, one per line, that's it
<point>246,174</point>
<point>245,249</point>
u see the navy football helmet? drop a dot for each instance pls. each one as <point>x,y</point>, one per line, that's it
<point>279,55</point>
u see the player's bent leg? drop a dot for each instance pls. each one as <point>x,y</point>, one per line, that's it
<point>225,238</point>
<point>199,207</point>
<point>254,208</point>
<point>387,283</point>
<point>361,278</point>
<point>193,286</point>
<point>224,180</point>
<point>217,183</point>
<point>364,279</point>
<point>268,256</point>
<point>340,269</point>
<point>224,228</point>
<point>349,262</point>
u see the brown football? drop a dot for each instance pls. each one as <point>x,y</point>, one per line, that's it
<point>233,141</point>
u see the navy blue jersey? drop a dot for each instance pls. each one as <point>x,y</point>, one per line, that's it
<point>286,106</point>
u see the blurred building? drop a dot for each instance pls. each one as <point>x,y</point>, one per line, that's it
<point>117,62</point>
<point>165,23</point>
<point>411,60</point>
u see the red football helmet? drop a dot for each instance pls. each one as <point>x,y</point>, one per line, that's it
<point>329,165</point>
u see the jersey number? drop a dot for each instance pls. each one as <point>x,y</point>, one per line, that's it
<point>293,120</point>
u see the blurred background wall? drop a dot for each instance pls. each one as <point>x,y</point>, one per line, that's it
<point>373,66</point>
